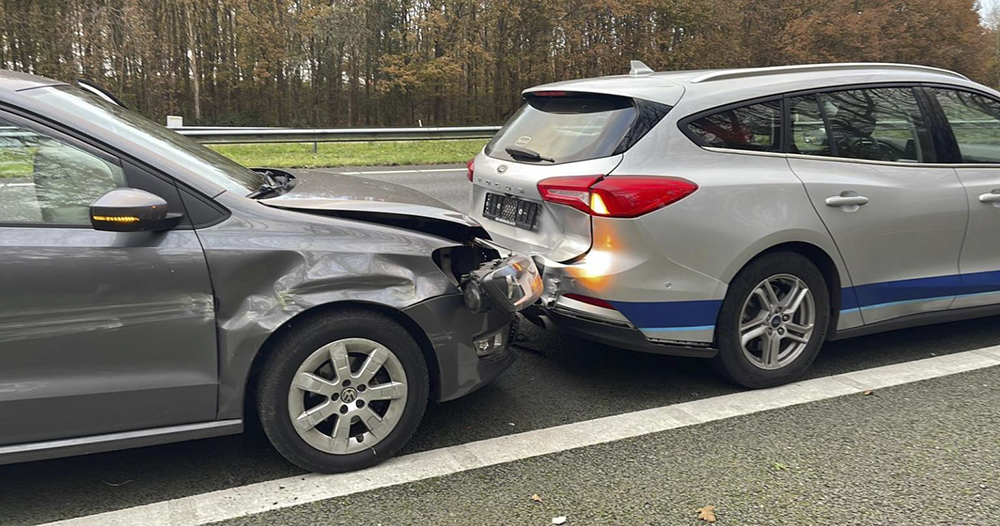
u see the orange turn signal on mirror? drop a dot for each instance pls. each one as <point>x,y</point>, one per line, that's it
<point>117,219</point>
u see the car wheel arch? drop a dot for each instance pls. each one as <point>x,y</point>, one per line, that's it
<point>818,256</point>
<point>418,334</point>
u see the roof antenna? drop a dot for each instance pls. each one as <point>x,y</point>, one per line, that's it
<point>638,68</point>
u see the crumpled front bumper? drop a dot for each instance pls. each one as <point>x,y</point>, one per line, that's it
<point>452,330</point>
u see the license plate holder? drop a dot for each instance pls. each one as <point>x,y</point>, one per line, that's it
<point>511,210</point>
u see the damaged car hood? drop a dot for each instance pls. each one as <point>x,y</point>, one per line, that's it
<point>370,200</point>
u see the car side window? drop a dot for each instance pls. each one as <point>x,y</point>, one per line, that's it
<point>808,131</point>
<point>755,127</point>
<point>975,122</point>
<point>879,124</point>
<point>45,180</point>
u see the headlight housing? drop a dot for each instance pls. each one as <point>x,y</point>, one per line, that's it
<point>510,284</point>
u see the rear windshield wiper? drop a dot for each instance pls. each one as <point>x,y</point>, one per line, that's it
<point>526,154</point>
<point>273,185</point>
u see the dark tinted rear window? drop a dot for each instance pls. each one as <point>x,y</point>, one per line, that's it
<point>566,127</point>
<point>755,127</point>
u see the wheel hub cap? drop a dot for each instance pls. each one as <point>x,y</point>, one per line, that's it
<point>347,396</point>
<point>776,323</point>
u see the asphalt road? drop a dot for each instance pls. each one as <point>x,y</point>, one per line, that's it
<point>846,459</point>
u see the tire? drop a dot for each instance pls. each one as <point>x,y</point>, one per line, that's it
<point>757,364</point>
<point>321,438</point>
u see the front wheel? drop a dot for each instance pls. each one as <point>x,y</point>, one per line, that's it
<point>773,320</point>
<point>342,391</point>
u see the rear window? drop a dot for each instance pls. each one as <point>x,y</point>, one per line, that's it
<point>568,127</point>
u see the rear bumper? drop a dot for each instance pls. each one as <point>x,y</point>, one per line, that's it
<point>608,332</point>
<point>451,329</point>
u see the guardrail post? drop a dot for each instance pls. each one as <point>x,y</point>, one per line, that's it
<point>315,148</point>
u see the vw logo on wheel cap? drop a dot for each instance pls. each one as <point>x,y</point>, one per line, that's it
<point>349,395</point>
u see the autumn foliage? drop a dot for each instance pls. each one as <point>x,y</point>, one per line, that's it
<point>440,62</point>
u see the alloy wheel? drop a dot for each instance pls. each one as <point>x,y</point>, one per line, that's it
<point>776,322</point>
<point>347,396</point>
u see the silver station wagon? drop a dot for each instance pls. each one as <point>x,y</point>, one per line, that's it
<point>749,215</point>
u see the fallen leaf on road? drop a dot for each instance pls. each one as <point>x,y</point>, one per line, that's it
<point>536,497</point>
<point>707,513</point>
<point>869,393</point>
<point>558,520</point>
<point>780,467</point>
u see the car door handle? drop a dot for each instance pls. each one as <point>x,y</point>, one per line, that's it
<point>846,200</point>
<point>990,197</point>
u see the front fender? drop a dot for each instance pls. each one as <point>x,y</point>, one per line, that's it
<point>263,279</point>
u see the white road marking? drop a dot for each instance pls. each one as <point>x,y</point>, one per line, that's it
<point>421,171</point>
<point>12,185</point>
<point>293,491</point>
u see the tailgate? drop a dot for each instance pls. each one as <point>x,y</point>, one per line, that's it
<point>559,232</point>
<point>554,134</point>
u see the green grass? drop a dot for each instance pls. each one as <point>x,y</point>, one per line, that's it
<point>385,153</point>
<point>16,162</point>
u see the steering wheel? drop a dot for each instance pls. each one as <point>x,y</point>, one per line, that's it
<point>868,147</point>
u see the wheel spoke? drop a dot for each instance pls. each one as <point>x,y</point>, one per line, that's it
<point>758,320</point>
<point>796,338</point>
<point>314,384</point>
<point>772,298</point>
<point>764,301</point>
<point>315,416</point>
<point>756,332</point>
<point>372,364</point>
<point>802,330</point>
<point>770,350</point>
<point>341,365</point>
<point>792,294</point>
<point>793,307</point>
<point>373,422</point>
<point>340,439</point>
<point>389,391</point>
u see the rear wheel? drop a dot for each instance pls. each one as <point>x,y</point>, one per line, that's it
<point>773,320</point>
<point>343,391</point>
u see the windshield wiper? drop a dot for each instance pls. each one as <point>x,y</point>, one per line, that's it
<point>273,185</point>
<point>526,154</point>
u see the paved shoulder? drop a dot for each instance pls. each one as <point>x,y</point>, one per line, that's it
<point>924,453</point>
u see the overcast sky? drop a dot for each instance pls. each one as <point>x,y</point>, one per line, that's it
<point>986,5</point>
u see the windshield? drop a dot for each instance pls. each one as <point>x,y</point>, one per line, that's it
<point>205,162</point>
<point>564,128</point>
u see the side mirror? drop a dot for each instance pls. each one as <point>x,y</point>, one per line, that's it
<point>131,210</point>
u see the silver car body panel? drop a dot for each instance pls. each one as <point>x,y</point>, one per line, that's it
<point>563,232</point>
<point>667,271</point>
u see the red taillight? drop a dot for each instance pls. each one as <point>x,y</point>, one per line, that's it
<point>597,302</point>
<point>571,191</point>
<point>471,165</point>
<point>616,196</point>
<point>635,195</point>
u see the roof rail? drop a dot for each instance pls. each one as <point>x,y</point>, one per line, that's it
<point>729,74</point>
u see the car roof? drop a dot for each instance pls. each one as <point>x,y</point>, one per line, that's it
<point>13,81</point>
<point>718,86</point>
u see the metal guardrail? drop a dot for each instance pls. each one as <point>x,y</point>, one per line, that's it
<point>219,135</point>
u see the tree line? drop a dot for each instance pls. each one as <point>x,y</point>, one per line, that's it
<point>448,62</point>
